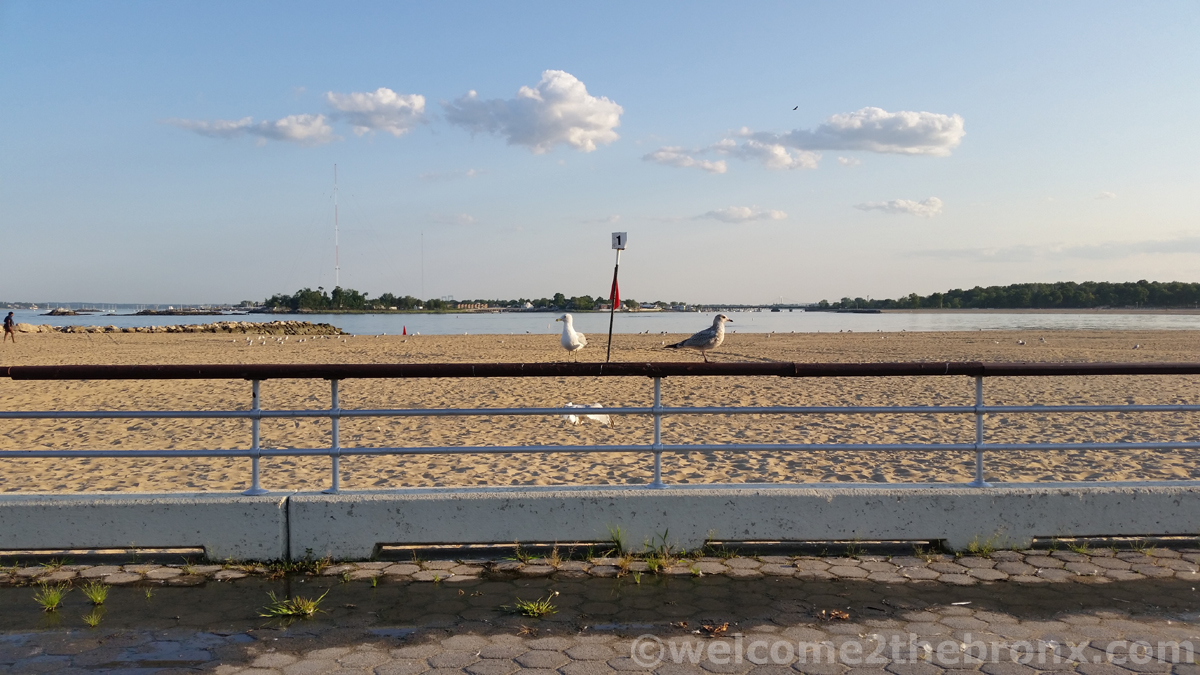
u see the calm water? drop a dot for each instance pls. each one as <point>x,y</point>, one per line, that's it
<point>671,322</point>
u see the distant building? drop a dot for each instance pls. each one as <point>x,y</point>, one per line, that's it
<point>527,305</point>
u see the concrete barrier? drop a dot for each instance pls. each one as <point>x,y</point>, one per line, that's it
<point>352,524</point>
<point>225,525</point>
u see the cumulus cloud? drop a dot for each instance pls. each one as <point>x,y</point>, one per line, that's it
<point>771,155</point>
<point>926,209</point>
<point>301,129</point>
<point>379,110</point>
<point>848,161</point>
<point>877,130</point>
<point>742,214</point>
<point>1106,195</point>
<point>558,110</point>
<point>679,157</point>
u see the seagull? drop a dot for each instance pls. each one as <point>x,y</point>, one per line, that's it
<point>571,341</point>
<point>796,108</point>
<point>707,339</point>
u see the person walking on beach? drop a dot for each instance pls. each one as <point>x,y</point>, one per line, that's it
<point>10,329</point>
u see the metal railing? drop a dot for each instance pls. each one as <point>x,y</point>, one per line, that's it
<point>655,371</point>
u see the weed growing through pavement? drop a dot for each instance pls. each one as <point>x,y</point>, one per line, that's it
<point>50,597</point>
<point>95,592</point>
<point>534,608</point>
<point>292,608</point>
<point>149,593</point>
<point>277,569</point>
<point>983,549</point>
<point>616,540</point>
<point>55,564</point>
<point>1080,546</point>
<point>520,554</point>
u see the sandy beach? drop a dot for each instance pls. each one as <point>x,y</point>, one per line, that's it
<point>159,475</point>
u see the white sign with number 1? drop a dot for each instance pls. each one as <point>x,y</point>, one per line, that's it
<point>619,240</point>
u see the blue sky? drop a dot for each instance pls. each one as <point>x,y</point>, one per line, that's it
<point>184,152</point>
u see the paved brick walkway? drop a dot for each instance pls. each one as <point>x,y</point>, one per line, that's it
<point>928,641</point>
<point>1029,567</point>
<point>762,625</point>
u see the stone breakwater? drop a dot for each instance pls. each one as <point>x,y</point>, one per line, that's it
<point>1031,566</point>
<point>228,327</point>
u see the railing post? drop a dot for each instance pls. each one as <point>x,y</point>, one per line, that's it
<point>979,482</point>
<point>335,449</point>
<point>255,448</point>
<point>657,482</point>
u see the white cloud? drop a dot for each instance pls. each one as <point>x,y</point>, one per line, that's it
<point>678,157</point>
<point>742,214</point>
<point>302,129</point>
<point>557,110</point>
<point>877,130</point>
<point>609,220</point>
<point>849,161</point>
<point>926,209</point>
<point>379,110</point>
<point>772,155</point>
<point>1106,195</point>
<point>215,128</point>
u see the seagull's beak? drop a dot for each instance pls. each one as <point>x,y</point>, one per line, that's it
<point>558,319</point>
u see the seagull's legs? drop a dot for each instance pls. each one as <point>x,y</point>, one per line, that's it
<point>705,355</point>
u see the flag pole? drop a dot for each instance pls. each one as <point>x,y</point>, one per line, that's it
<point>613,295</point>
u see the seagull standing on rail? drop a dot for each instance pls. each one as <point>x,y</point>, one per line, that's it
<point>571,341</point>
<point>707,339</point>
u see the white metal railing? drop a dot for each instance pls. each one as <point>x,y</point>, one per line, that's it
<point>657,411</point>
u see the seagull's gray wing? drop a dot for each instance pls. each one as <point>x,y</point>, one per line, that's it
<point>704,337</point>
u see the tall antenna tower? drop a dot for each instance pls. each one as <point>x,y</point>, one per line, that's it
<point>337,261</point>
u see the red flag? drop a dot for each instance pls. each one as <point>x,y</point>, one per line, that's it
<point>615,294</point>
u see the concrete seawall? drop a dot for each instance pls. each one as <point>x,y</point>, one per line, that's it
<point>225,525</point>
<point>352,525</point>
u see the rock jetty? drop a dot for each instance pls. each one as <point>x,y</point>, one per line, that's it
<point>242,327</point>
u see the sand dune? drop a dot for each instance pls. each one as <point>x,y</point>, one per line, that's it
<point>147,475</point>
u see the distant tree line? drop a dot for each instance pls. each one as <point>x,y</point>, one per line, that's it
<point>1063,294</point>
<point>308,300</point>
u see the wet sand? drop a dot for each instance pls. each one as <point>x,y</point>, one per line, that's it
<point>191,474</point>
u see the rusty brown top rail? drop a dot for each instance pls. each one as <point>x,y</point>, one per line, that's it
<point>342,371</point>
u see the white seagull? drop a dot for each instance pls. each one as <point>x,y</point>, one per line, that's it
<point>571,341</point>
<point>707,339</point>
